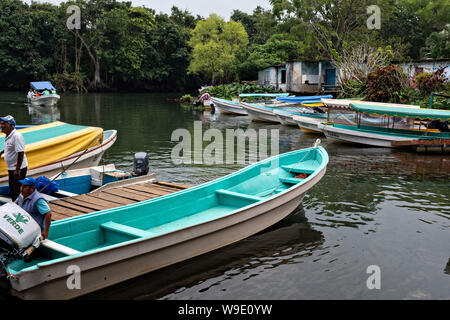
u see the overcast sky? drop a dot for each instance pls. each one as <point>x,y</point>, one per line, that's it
<point>223,8</point>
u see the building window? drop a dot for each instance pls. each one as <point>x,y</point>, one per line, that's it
<point>267,77</point>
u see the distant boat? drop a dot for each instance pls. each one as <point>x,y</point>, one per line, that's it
<point>234,107</point>
<point>228,106</point>
<point>44,93</point>
<point>304,99</point>
<point>49,147</point>
<point>281,111</point>
<point>118,244</point>
<point>391,126</point>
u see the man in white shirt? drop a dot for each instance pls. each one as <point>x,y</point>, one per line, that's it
<point>14,151</point>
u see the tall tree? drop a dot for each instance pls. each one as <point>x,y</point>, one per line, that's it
<point>214,45</point>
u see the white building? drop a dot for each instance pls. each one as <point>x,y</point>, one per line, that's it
<point>415,67</point>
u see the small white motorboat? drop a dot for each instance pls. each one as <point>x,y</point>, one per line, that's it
<point>43,94</point>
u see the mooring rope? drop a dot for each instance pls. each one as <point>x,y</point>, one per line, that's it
<point>64,170</point>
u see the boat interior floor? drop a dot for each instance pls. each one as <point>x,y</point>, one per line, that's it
<point>111,198</point>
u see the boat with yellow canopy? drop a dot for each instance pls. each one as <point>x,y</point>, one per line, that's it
<point>53,146</point>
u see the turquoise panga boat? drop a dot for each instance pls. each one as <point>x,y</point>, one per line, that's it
<point>114,245</point>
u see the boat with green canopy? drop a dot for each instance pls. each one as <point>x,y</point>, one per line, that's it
<point>117,244</point>
<point>392,126</point>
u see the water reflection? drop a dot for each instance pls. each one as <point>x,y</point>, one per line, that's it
<point>43,114</point>
<point>290,241</point>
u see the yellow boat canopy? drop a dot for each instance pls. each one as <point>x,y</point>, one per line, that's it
<point>51,142</point>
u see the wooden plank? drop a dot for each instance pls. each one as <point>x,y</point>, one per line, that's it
<point>166,188</point>
<point>156,190</point>
<point>58,216</point>
<point>63,203</point>
<point>84,204</point>
<point>139,191</point>
<point>173,184</point>
<point>149,192</point>
<point>125,194</point>
<point>63,210</point>
<point>91,199</point>
<point>113,198</point>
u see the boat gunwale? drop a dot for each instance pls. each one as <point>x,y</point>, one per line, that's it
<point>227,102</point>
<point>393,136</point>
<point>306,181</point>
<point>257,108</point>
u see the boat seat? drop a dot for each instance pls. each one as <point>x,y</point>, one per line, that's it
<point>125,230</point>
<point>294,169</point>
<point>235,198</point>
<point>291,180</point>
<point>59,247</point>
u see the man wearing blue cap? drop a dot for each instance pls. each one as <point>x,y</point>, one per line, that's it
<point>15,158</point>
<point>32,202</point>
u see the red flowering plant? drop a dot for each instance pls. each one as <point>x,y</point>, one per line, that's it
<point>388,84</point>
<point>430,82</point>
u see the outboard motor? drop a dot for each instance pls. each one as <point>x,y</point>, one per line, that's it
<point>19,235</point>
<point>140,162</point>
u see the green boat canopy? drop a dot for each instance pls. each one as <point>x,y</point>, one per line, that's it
<point>432,114</point>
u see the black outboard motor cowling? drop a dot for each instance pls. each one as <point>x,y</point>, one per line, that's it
<point>7,248</point>
<point>141,166</point>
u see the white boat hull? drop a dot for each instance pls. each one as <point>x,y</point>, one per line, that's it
<point>285,119</point>
<point>126,261</point>
<point>45,100</point>
<point>228,108</point>
<point>83,159</point>
<point>260,115</point>
<point>308,124</point>
<point>359,137</point>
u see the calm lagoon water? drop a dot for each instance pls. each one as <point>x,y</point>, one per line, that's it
<point>374,206</point>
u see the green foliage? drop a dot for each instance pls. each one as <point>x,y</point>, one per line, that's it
<point>355,87</point>
<point>277,50</point>
<point>437,45</point>
<point>121,46</point>
<point>427,82</point>
<point>118,46</point>
<point>230,91</point>
<point>187,98</point>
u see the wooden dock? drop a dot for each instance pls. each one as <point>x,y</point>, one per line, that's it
<point>111,198</point>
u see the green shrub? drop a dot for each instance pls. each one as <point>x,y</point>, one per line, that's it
<point>187,98</point>
<point>353,88</point>
<point>427,82</point>
<point>232,90</point>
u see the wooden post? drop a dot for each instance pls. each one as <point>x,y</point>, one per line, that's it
<point>320,76</point>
